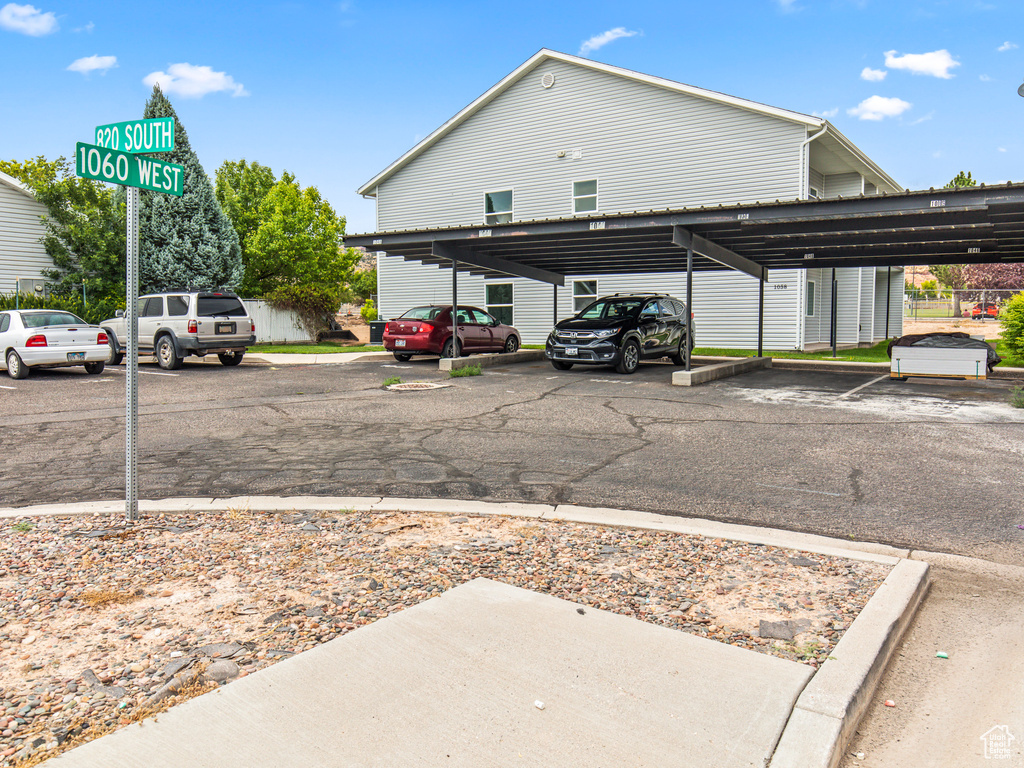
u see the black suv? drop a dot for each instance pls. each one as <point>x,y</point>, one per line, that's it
<point>621,330</point>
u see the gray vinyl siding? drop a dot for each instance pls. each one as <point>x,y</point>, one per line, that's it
<point>21,251</point>
<point>818,182</point>
<point>843,185</point>
<point>650,148</point>
<point>867,305</point>
<point>895,295</point>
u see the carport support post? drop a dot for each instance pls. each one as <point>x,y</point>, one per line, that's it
<point>455,309</point>
<point>835,314</point>
<point>760,314</point>
<point>689,303</point>
<point>132,368</point>
<point>888,294</point>
<point>554,304</point>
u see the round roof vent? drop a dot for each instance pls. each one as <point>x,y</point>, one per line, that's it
<point>547,80</point>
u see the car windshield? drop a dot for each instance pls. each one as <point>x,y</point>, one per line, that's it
<point>423,313</point>
<point>220,306</point>
<point>609,309</point>
<point>41,319</point>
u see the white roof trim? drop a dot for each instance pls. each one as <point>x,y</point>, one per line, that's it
<point>15,184</point>
<point>544,54</point>
<point>868,163</point>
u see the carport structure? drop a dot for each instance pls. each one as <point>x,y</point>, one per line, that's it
<point>972,225</point>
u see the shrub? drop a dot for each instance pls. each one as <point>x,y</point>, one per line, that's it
<point>368,311</point>
<point>1013,325</point>
<point>392,380</point>
<point>1017,397</point>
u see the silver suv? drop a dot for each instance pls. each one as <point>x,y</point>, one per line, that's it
<point>176,324</point>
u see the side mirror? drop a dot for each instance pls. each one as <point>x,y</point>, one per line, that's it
<point>119,313</point>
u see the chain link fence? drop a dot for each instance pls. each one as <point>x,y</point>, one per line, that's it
<point>977,303</point>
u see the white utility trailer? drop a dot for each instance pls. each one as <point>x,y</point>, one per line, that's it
<point>942,362</point>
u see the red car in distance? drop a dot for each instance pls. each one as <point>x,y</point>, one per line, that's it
<point>427,330</point>
<point>987,309</point>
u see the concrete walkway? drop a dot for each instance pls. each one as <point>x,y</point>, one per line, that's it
<point>490,674</point>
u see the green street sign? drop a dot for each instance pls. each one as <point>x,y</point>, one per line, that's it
<point>128,170</point>
<point>156,135</point>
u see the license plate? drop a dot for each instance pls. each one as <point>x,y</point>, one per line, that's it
<point>571,351</point>
<point>224,328</point>
<point>399,342</point>
<point>73,356</point>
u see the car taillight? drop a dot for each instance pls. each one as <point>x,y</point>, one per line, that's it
<point>101,338</point>
<point>252,327</point>
<point>193,327</point>
<point>36,341</point>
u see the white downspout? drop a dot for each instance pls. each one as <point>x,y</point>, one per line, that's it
<point>805,161</point>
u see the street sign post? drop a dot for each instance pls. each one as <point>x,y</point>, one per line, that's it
<point>153,135</point>
<point>114,159</point>
<point>129,170</point>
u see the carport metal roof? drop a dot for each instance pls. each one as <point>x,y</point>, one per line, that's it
<point>947,226</point>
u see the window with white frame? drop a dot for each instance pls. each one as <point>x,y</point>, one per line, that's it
<point>584,196</point>
<point>809,310</point>
<point>584,292</point>
<point>498,207</point>
<point>500,302</point>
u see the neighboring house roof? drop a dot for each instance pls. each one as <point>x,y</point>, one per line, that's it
<point>834,137</point>
<point>13,183</point>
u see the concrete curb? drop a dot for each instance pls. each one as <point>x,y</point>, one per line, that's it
<point>490,360</point>
<point>721,370</point>
<point>832,704</point>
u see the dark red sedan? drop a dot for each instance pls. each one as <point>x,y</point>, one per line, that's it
<point>427,330</point>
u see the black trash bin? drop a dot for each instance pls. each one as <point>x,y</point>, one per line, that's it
<point>377,332</point>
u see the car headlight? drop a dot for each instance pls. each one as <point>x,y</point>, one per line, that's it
<point>604,334</point>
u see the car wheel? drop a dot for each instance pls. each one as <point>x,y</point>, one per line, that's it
<point>166,357</point>
<point>16,369</point>
<point>679,358</point>
<point>94,367</point>
<point>630,357</point>
<point>115,357</point>
<point>511,344</point>
<point>403,357</point>
<point>560,366</point>
<point>230,358</point>
<point>446,351</point>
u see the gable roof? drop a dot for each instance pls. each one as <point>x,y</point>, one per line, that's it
<point>811,123</point>
<point>13,183</point>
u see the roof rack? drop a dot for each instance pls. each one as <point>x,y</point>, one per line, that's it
<point>637,293</point>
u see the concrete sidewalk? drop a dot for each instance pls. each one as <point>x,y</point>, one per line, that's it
<point>490,674</point>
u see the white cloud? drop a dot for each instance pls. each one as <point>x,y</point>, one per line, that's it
<point>27,19</point>
<point>984,78</point>
<point>1007,46</point>
<point>873,75</point>
<point>827,113</point>
<point>1002,149</point>
<point>924,119</point>
<point>93,64</point>
<point>86,28</point>
<point>787,6</point>
<point>193,82</point>
<point>936,63</point>
<point>600,41</point>
<point>879,108</point>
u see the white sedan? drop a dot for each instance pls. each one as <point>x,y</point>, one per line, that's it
<point>49,338</point>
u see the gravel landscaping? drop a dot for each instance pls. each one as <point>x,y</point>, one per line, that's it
<point>105,622</point>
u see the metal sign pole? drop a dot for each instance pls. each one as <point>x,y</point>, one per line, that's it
<point>132,379</point>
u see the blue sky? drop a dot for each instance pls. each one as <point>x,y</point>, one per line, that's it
<point>335,91</point>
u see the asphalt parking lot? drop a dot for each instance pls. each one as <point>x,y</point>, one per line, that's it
<point>923,464</point>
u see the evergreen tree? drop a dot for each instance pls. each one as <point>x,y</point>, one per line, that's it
<point>187,240</point>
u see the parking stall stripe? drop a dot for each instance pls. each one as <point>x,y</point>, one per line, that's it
<point>801,490</point>
<point>862,386</point>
